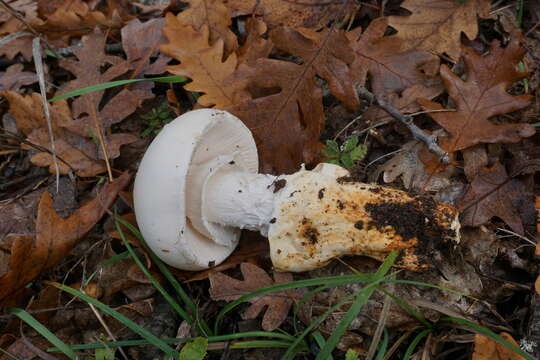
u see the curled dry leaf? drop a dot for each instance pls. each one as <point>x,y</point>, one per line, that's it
<point>488,349</point>
<point>391,70</point>
<point>436,25</point>
<point>54,239</point>
<point>14,78</point>
<point>309,13</point>
<point>481,96</point>
<point>493,193</point>
<point>223,287</point>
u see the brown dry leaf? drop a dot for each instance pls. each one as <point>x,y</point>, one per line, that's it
<point>78,152</point>
<point>255,46</point>
<point>482,96</point>
<point>223,287</point>
<point>330,62</point>
<point>202,63</point>
<point>26,8</point>
<point>91,117</point>
<point>215,17</point>
<point>14,78</point>
<point>55,237</point>
<point>390,70</point>
<point>537,285</point>
<point>76,21</point>
<point>493,193</point>
<point>309,13</point>
<point>488,349</point>
<point>436,25</point>
<point>141,42</point>
<point>287,96</point>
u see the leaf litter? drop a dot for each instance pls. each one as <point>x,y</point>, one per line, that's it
<point>281,67</point>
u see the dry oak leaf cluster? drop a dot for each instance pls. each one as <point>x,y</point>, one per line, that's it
<point>269,95</point>
<point>54,239</point>
<point>223,287</point>
<point>482,96</point>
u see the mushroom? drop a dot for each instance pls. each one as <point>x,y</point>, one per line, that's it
<point>197,186</point>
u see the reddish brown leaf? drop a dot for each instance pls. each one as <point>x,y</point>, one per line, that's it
<point>55,237</point>
<point>26,8</point>
<point>215,17</point>
<point>482,96</point>
<point>223,287</point>
<point>326,53</point>
<point>493,193</point>
<point>390,70</point>
<point>255,46</point>
<point>308,13</point>
<point>436,25</point>
<point>287,96</point>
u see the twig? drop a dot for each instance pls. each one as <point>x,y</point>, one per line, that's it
<point>429,140</point>
<point>18,16</point>
<point>36,53</point>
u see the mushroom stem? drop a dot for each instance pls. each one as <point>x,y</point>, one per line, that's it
<point>240,199</point>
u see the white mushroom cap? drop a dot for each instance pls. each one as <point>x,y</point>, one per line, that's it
<point>185,151</point>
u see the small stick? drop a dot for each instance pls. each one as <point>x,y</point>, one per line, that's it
<point>429,140</point>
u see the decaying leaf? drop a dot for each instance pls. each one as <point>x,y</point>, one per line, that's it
<point>223,287</point>
<point>215,17</point>
<point>493,193</point>
<point>488,349</point>
<point>26,8</point>
<point>390,69</point>
<point>308,13</point>
<point>75,152</point>
<point>202,63</point>
<point>481,96</point>
<point>54,239</point>
<point>436,25</point>
<point>413,172</point>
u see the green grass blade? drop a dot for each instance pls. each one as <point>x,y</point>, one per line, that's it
<point>260,344</point>
<point>319,339</point>
<point>149,276</point>
<point>488,333</point>
<point>110,84</point>
<point>356,307</point>
<point>229,337</point>
<point>414,343</point>
<point>154,340</point>
<point>383,346</point>
<point>203,327</point>
<point>43,331</point>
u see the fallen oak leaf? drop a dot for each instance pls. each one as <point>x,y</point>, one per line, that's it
<point>436,25</point>
<point>213,15</point>
<point>481,96</point>
<point>493,193</point>
<point>54,239</point>
<point>223,287</point>
<point>390,70</point>
<point>14,78</point>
